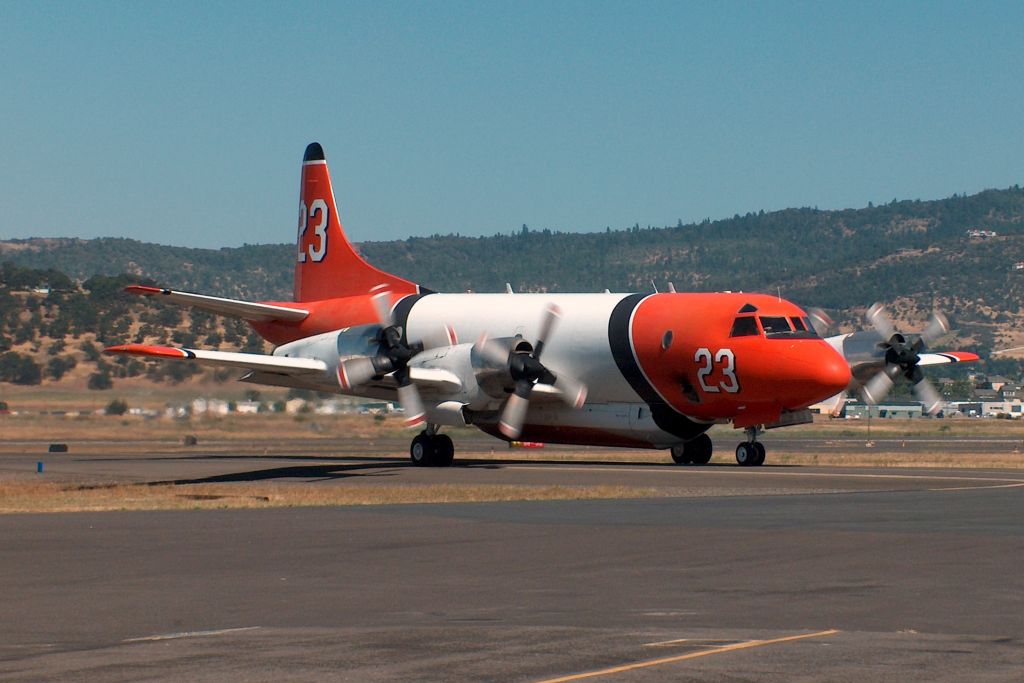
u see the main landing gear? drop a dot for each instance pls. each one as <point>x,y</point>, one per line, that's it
<point>693,452</point>
<point>430,449</point>
<point>751,452</point>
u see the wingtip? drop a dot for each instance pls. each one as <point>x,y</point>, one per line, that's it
<point>314,152</point>
<point>151,351</point>
<point>145,290</point>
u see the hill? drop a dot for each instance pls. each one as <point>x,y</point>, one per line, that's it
<point>959,254</point>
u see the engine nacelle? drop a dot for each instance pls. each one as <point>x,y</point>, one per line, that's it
<point>458,360</point>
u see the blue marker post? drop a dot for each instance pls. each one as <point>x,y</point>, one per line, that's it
<point>39,467</point>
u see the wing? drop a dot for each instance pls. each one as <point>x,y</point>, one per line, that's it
<point>277,365</point>
<point>948,357</point>
<point>232,308</point>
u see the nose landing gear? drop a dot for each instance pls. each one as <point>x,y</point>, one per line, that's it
<point>430,449</point>
<point>751,453</point>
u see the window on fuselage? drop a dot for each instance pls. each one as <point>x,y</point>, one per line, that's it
<point>775,326</point>
<point>798,324</point>
<point>745,327</point>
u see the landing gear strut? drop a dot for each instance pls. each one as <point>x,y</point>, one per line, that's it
<point>693,452</point>
<point>751,453</point>
<point>430,449</point>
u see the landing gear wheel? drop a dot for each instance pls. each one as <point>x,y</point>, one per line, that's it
<point>700,450</point>
<point>444,451</point>
<point>745,454</point>
<point>422,451</point>
<point>759,454</point>
<point>694,452</point>
<point>681,455</point>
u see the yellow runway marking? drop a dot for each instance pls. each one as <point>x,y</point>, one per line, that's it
<point>663,643</point>
<point>692,655</point>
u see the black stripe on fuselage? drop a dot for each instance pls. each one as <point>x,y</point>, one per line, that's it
<point>667,418</point>
<point>400,314</point>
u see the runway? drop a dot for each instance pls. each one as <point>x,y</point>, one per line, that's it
<point>777,574</point>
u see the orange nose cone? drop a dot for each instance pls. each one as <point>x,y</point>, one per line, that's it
<point>832,372</point>
<point>813,372</point>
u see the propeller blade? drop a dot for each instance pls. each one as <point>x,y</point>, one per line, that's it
<point>572,391</point>
<point>938,326</point>
<point>547,325</point>
<point>412,404</point>
<point>442,336</point>
<point>879,386</point>
<point>353,372</point>
<point>879,319</point>
<point>514,414</point>
<point>492,351</point>
<point>820,321</point>
<point>929,397</point>
<point>382,304</point>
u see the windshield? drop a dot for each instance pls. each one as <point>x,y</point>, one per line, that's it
<point>792,327</point>
<point>745,327</point>
<point>774,326</point>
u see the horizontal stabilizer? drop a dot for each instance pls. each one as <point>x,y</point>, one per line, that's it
<point>251,361</point>
<point>232,308</point>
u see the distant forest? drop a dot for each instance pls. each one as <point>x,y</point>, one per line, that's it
<point>913,255</point>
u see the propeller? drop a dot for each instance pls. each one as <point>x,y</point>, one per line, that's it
<point>522,361</point>
<point>902,357</point>
<point>820,321</point>
<point>393,355</point>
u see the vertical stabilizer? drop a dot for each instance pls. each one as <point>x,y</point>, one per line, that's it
<point>327,266</point>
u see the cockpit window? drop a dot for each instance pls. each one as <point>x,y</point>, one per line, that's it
<point>793,327</point>
<point>773,326</point>
<point>745,326</point>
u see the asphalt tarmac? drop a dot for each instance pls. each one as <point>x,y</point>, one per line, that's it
<point>766,574</point>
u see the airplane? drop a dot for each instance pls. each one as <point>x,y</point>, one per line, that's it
<point>643,370</point>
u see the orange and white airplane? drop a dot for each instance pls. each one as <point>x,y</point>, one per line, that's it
<point>649,370</point>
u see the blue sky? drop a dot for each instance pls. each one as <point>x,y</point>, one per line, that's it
<point>184,123</point>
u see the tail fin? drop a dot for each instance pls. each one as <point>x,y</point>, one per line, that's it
<point>327,266</point>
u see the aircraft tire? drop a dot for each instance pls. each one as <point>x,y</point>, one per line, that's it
<point>700,450</point>
<point>680,455</point>
<point>444,450</point>
<point>422,451</point>
<point>759,454</point>
<point>745,454</point>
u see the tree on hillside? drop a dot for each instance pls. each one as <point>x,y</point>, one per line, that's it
<point>19,369</point>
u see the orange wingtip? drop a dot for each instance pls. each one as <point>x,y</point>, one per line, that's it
<point>151,351</point>
<point>144,290</point>
<point>961,356</point>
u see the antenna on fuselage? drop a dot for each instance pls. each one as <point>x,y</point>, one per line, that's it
<point>671,288</point>
<point>655,286</point>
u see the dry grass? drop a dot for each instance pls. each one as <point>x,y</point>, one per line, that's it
<point>18,497</point>
<point>960,443</point>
